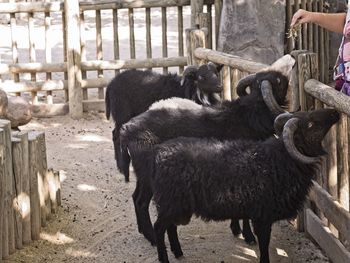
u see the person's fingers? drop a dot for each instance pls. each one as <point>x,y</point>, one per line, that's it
<point>298,17</point>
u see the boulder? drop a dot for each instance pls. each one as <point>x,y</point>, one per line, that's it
<point>253,29</point>
<point>18,111</point>
<point>15,109</point>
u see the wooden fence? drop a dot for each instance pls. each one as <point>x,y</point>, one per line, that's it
<point>69,73</point>
<point>310,36</point>
<point>326,218</point>
<point>108,36</point>
<point>29,191</point>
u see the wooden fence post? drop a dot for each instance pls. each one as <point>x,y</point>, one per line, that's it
<point>34,187</point>
<point>304,71</point>
<point>52,190</point>
<point>195,38</point>
<point>45,203</point>
<point>294,97</point>
<point>72,14</point>
<point>196,9</point>
<point>24,198</point>
<point>9,195</point>
<point>203,21</point>
<point>58,187</point>
<point>2,191</point>
<point>17,162</point>
<point>218,9</point>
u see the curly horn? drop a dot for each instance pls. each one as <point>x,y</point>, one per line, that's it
<point>280,121</point>
<point>266,90</point>
<point>244,83</point>
<point>288,139</point>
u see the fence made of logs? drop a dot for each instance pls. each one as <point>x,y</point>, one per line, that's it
<point>29,192</point>
<point>71,76</point>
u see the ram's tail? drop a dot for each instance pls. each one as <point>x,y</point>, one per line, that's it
<point>108,108</point>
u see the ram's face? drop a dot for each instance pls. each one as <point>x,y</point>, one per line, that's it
<point>208,80</point>
<point>312,128</point>
<point>279,83</point>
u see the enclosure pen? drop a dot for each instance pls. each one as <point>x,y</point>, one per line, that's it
<point>61,83</point>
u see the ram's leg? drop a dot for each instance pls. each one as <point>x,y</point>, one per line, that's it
<point>174,241</point>
<point>263,231</point>
<point>248,235</point>
<point>116,144</point>
<point>235,227</point>
<point>135,197</point>
<point>125,157</point>
<point>159,228</point>
<point>142,202</point>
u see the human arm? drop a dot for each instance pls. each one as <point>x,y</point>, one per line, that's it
<point>330,21</point>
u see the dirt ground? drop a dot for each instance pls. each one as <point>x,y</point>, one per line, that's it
<point>96,222</point>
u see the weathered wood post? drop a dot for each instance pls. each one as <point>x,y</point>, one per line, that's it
<point>58,187</point>
<point>196,9</point>
<point>71,9</point>
<point>218,11</point>
<point>293,96</point>
<point>24,197</point>
<point>52,190</point>
<point>304,73</point>
<point>195,38</point>
<point>2,190</point>
<point>45,204</point>
<point>35,218</point>
<point>204,20</point>
<point>17,163</point>
<point>9,223</point>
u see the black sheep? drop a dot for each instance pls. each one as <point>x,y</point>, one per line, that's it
<point>247,117</point>
<point>264,181</point>
<point>133,91</point>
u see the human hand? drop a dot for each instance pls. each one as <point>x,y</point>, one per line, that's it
<point>301,16</point>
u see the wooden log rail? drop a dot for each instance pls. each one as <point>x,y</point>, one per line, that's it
<point>12,8</point>
<point>328,95</point>
<point>333,204</point>
<point>121,4</point>
<point>29,191</point>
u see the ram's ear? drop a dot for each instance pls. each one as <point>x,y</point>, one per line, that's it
<point>218,67</point>
<point>190,72</point>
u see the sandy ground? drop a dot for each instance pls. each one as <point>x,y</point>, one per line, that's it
<point>96,222</point>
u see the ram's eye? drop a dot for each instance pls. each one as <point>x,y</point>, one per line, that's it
<point>200,78</point>
<point>310,124</point>
<point>278,80</point>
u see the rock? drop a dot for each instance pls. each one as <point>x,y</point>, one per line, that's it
<point>253,29</point>
<point>15,109</point>
<point>18,111</point>
<point>3,103</point>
